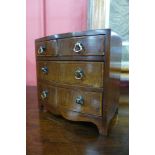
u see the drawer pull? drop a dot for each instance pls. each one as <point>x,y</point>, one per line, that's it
<point>79,73</point>
<point>44,70</point>
<point>44,94</point>
<point>79,100</point>
<point>78,47</point>
<point>41,50</point>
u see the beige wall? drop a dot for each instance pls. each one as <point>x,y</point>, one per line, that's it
<point>96,14</point>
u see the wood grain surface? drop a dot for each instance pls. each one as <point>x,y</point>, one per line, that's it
<point>61,99</point>
<point>64,72</point>
<point>48,134</point>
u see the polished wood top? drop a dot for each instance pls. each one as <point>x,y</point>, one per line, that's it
<point>52,135</point>
<point>75,34</point>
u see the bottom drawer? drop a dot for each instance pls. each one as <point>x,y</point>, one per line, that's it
<point>58,99</point>
<point>48,97</point>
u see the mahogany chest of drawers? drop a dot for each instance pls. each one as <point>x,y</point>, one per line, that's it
<point>78,76</point>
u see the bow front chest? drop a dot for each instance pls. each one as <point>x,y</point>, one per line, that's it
<point>78,76</point>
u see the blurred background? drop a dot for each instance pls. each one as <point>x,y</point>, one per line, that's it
<point>47,17</point>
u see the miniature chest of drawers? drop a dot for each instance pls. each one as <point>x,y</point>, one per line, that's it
<point>78,76</point>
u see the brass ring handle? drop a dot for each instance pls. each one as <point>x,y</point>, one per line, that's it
<point>41,50</point>
<point>44,94</point>
<point>44,70</point>
<point>79,73</point>
<point>79,100</point>
<point>78,47</point>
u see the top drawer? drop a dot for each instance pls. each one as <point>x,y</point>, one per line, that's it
<point>90,45</point>
<point>46,48</point>
<point>73,46</point>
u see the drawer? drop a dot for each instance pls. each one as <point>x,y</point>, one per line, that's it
<point>80,101</point>
<point>72,72</point>
<point>48,97</point>
<point>46,48</point>
<point>57,99</point>
<point>86,45</point>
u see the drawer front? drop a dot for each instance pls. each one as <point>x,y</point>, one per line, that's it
<point>46,48</point>
<point>90,45</point>
<point>48,97</point>
<point>71,72</point>
<point>57,99</point>
<point>80,101</point>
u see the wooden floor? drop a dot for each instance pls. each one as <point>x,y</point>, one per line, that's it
<point>51,135</point>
